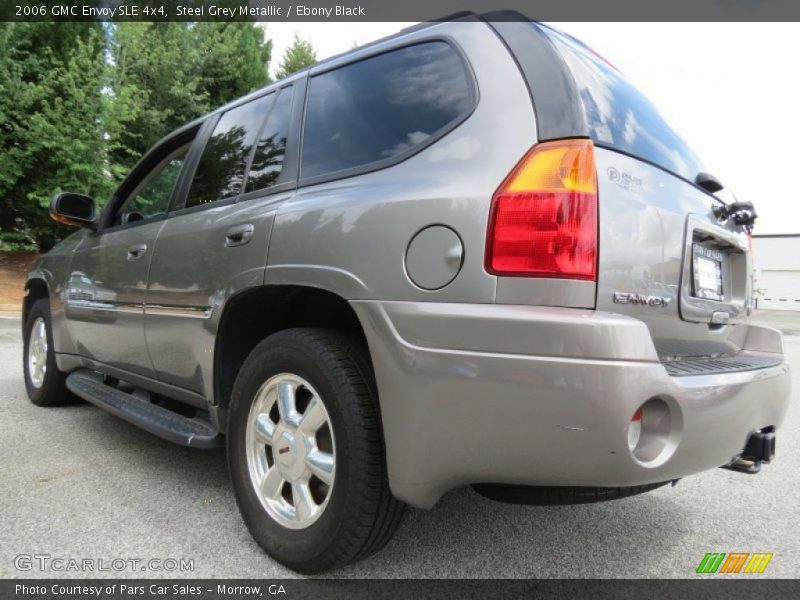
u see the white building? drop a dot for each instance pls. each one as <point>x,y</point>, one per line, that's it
<point>776,258</point>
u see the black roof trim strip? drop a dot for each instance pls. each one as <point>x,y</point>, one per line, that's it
<point>776,235</point>
<point>556,103</point>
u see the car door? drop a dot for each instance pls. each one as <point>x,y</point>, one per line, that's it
<point>214,244</point>
<point>107,283</point>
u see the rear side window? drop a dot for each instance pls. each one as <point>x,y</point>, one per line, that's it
<point>619,115</point>
<point>271,147</point>
<point>383,108</point>
<point>220,173</point>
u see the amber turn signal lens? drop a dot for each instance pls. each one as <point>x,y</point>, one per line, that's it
<point>543,220</point>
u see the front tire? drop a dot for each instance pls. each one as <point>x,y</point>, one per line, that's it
<point>43,381</point>
<point>306,453</point>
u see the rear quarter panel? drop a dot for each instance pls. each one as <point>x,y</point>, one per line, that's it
<point>350,236</point>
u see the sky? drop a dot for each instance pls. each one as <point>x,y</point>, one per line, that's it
<point>732,89</point>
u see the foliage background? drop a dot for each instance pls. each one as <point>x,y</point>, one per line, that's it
<point>81,102</point>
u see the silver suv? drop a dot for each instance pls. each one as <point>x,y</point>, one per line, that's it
<point>471,253</point>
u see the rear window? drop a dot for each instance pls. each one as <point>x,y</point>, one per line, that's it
<point>384,107</point>
<point>220,173</point>
<point>619,115</point>
<point>271,147</point>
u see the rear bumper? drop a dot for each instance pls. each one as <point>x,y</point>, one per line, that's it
<point>544,396</point>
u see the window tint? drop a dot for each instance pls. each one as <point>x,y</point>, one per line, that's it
<point>220,173</point>
<point>271,147</point>
<point>150,198</point>
<point>619,115</point>
<point>383,106</point>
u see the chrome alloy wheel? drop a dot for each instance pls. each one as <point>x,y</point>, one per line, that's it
<point>37,353</point>
<point>291,454</point>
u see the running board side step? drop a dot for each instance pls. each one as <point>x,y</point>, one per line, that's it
<point>164,423</point>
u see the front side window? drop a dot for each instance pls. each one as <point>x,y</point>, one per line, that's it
<point>220,173</point>
<point>150,198</point>
<point>383,107</point>
<point>271,147</point>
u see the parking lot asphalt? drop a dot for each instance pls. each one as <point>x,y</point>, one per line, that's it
<point>76,482</point>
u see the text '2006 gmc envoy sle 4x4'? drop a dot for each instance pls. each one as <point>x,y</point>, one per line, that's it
<point>468,254</point>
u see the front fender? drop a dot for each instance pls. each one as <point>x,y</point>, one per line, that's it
<point>47,278</point>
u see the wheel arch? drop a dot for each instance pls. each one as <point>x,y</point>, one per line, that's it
<point>255,313</point>
<point>36,288</point>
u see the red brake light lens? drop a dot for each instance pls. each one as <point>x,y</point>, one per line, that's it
<point>543,220</point>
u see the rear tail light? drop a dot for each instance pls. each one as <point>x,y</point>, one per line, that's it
<point>543,220</point>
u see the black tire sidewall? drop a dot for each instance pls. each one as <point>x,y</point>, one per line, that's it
<point>297,548</point>
<point>52,390</point>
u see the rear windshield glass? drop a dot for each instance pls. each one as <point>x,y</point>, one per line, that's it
<point>619,115</point>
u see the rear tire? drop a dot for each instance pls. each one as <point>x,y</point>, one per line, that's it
<point>333,524</point>
<point>549,496</point>
<point>43,381</point>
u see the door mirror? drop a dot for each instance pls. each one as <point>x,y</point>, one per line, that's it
<point>76,210</point>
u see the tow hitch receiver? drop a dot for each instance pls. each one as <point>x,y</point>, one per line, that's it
<point>760,448</point>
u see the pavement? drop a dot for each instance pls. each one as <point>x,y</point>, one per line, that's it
<point>79,483</point>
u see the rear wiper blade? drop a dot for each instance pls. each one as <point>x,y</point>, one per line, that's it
<point>743,213</point>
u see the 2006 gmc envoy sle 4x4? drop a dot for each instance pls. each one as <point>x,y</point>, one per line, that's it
<point>470,253</point>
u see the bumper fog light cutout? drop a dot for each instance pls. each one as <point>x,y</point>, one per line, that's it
<point>635,430</point>
<point>654,432</point>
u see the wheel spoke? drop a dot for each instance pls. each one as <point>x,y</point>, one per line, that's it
<point>321,464</point>
<point>286,404</point>
<point>301,498</point>
<point>313,418</point>
<point>289,447</point>
<point>37,353</point>
<point>272,484</point>
<point>264,428</point>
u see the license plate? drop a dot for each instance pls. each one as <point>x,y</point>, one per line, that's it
<point>707,271</point>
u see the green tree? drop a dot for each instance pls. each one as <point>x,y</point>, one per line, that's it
<point>299,55</point>
<point>81,102</point>
<point>51,131</point>
<point>153,90</point>
<point>232,59</point>
<point>166,74</point>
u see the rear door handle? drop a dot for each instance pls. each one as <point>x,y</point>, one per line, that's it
<point>136,251</point>
<point>239,235</point>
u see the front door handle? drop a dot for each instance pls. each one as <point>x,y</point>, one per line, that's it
<point>136,251</point>
<point>239,235</point>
